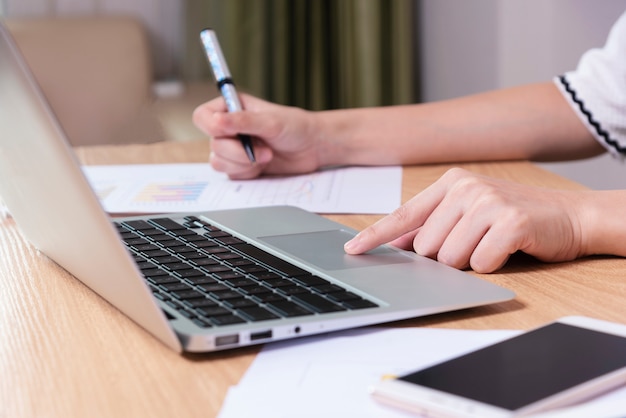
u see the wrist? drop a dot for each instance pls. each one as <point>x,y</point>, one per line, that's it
<point>601,220</point>
<point>329,131</point>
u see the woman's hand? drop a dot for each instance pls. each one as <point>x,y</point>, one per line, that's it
<point>466,219</point>
<point>285,139</point>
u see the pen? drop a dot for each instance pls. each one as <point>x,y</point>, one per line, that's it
<point>224,81</point>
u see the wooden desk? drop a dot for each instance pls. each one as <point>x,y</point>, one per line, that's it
<point>65,352</point>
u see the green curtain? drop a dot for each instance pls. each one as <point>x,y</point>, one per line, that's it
<point>315,54</point>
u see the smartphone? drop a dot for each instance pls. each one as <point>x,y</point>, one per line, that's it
<point>556,365</point>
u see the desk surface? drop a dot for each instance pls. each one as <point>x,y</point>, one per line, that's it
<point>65,352</point>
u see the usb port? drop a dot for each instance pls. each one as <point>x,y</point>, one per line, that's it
<point>261,335</point>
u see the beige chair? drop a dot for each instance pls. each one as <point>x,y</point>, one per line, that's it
<point>96,73</point>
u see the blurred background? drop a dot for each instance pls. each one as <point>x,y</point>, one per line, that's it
<point>317,54</point>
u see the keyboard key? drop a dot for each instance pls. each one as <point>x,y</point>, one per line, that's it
<point>275,283</point>
<point>228,275</point>
<point>192,237</point>
<point>188,294</point>
<point>317,303</point>
<point>310,280</point>
<point>207,227</point>
<point>216,268</point>
<point>172,244</point>
<point>146,265</point>
<point>228,240</point>
<point>265,275</point>
<point>211,311</point>
<point>167,224</point>
<point>138,225</point>
<point>185,249</point>
<point>226,294</point>
<point>227,320</point>
<point>241,302</point>
<point>254,269</point>
<point>206,243</point>
<point>257,290</point>
<point>120,228</point>
<point>241,282</point>
<point>155,253</point>
<point>178,266</point>
<point>200,303</point>
<point>216,233</point>
<point>239,262</point>
<point>167,258</point>
<point>288,309</point>
<point>156,235</point>
<point>175,287</point>
<point>327,288</point>
<point>201,280</point>
<point>138,241</point>
<point>197,256</point>
<point>206,261</point>
<point>213,287</point>
<point>215,250</point>
<point>343,296</point>
<point>292,290</point>
<point>257,314</point>
<point>155,272</point>
<point>184,233</point>
<point>187,274</point>
<point>269,297</point>
<point>228,256</point>
<point>166,279</point>
<point>359,304</point>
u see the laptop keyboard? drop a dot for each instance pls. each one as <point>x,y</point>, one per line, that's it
<point>214,278</point>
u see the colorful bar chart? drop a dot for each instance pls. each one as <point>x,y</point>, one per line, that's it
<point>180,192</point>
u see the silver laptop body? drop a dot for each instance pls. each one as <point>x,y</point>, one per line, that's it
<point>44,189</point>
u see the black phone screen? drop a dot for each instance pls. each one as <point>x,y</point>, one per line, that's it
<point>527,368</point>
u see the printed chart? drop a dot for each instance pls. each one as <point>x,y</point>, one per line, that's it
<point>178,192</point>
<point>162,188</point>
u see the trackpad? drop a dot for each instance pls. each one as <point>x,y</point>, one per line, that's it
<point>325,250</point>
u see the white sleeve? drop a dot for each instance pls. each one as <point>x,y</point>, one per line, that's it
<point>597,90</point>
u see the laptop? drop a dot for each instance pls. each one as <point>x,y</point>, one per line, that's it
<point>210,281</point>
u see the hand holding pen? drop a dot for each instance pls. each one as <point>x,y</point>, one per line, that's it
<point>283,139</point>
<point>224,81</point>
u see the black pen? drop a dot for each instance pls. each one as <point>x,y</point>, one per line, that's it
<point>224,81</point>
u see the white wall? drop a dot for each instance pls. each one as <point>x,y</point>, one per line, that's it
<point>472,46</point>
<point>162,19</point>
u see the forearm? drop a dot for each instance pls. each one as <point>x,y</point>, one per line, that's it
<point>529,122</point>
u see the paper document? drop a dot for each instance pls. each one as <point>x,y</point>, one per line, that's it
<point>161,188</point>
<point>329,376</point>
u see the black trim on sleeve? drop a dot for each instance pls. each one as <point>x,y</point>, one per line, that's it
<point>589,116</point>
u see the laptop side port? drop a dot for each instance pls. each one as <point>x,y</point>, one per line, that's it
<point>261,335</point>
<point>227,340</point>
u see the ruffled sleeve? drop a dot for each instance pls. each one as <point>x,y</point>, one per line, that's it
<point>597,90</point>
